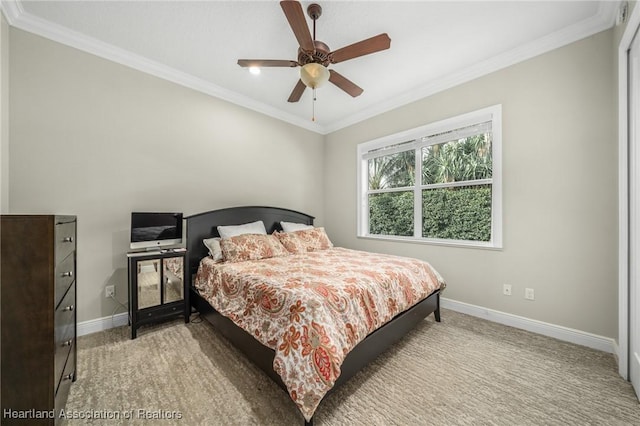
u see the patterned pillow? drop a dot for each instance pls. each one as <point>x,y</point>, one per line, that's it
<point>251,247</point>
<point>291,242</point>
<point>305,240</point>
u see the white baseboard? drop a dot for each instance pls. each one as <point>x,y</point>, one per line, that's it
<point>101,324</point>
<point>559,332</point>
<point>616,352</point>
<point>566,334</point>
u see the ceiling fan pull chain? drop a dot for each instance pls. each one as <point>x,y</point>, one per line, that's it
<point>313,106</point>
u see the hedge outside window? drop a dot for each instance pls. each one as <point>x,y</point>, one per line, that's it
<point>440,183</point>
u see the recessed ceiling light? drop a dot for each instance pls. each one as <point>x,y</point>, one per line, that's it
<point>254,70</point>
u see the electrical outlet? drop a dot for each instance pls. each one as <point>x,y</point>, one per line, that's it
<point>506,289</point>
<point>109,291</point>
<point>528,294</point>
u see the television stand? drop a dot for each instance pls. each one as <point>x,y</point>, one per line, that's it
<point>157,287</point>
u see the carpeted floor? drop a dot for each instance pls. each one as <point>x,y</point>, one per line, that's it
<point>463,371</point>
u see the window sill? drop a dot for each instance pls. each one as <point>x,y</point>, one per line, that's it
<point>434,241</point>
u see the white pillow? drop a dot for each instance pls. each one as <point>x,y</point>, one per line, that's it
<point>292,227</point>
<point>213,244</point>
<point>256,227</point>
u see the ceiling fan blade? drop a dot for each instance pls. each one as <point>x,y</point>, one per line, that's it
<point>266,63</point>
<point>297,92</point>
<point>361,48</point>
<point>297,21</point>
<point>345,84</point>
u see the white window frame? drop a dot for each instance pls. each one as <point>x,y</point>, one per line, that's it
<point>492,114</point>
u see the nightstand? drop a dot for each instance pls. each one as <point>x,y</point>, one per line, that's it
<point>157,287</point>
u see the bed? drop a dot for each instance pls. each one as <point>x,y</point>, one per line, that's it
<point>353,353</point>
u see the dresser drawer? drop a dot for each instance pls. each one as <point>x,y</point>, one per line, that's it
<point>68,376</point>
<point>62,354</point>
<point>65,239</point>
<point>65,275</point>
<point>64,329</point>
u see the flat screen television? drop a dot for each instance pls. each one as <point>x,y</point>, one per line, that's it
<point>152,230</point>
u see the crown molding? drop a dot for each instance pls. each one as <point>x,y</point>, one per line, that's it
<point>604,20</point>
<point>17,17</point>
<point>11,9</point>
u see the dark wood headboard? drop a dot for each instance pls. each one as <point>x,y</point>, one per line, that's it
<point>204,225</point>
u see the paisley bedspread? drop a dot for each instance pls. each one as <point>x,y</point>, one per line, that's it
<point>313,308</point>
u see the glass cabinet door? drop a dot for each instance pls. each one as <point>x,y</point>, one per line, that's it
<point>173,272</point>
<point>148,283</point>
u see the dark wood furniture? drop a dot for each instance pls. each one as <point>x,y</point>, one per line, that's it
<point>203,225</point>
<point>38,315</point>
<point>157,287</point>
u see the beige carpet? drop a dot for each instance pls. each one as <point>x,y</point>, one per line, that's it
<point>463,371</point>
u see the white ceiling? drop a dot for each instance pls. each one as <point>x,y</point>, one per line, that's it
<point>434,45</point>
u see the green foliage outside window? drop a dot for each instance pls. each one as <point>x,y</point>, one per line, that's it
<point>391,213</point>
<point>449,213</point>
<point>457,212</point>
<point>392,171</point>
<point>457,161</point>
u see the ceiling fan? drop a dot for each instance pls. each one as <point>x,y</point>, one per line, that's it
<point>315,56</point>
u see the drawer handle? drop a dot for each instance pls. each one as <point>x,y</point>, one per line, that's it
<point>67,274</point>
<point>67,342</point>
<point>68,376</point>
<point>67,240</point>
<point>69,308</point>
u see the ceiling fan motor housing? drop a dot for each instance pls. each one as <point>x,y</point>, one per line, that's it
<point>320,56</point>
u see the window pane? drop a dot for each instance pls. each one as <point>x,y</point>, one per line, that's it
<point>392,171</point>
<point>458,213</point>
<point>391,213</point>
<point>457,160</point>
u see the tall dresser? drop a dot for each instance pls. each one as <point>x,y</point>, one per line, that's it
<point>38,316</point>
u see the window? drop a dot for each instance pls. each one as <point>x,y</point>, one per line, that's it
<point>439,183</point>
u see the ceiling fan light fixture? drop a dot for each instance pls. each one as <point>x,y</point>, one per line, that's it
<point>254,70</point>
<point>314,75</point>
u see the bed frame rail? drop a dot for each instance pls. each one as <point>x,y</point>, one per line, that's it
<point>361,355</point>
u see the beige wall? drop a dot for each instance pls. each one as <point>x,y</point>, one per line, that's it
<point>96,139</point>
<point>559,188</point>
<point>4,115</point>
